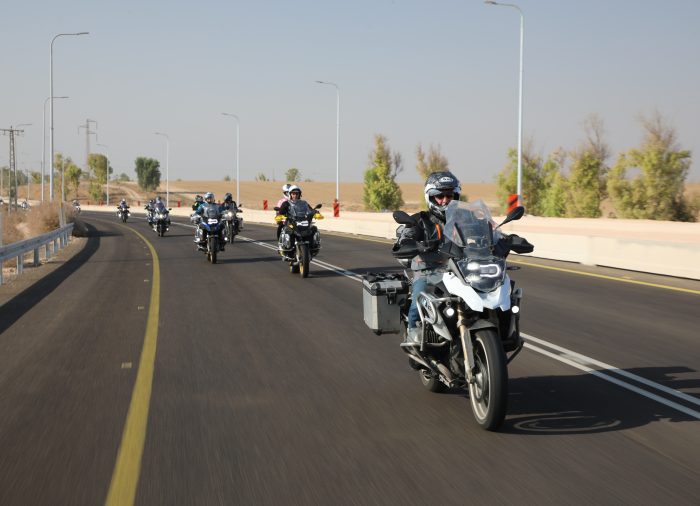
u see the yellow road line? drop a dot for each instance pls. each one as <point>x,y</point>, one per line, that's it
<point>603,276</point>
<point>125,477</point>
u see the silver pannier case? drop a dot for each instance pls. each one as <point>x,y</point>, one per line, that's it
<point>382,297</point>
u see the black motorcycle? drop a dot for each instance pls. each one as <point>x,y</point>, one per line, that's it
<point>299,240</point>
<point>123,213</point>
<point>160,221</point>
<point>232,223</point>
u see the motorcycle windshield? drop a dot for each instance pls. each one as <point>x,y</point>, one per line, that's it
<point>211,212</point>
<point>299,210</point>
<point>469,230</point>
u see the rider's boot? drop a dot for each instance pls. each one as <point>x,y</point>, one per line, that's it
<point>412,337</point>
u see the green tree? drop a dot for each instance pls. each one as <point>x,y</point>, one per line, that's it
<point>656,192</point>
<point>72,175</point>
<point>261,177</point>
<point>507,179</point>
<point>123,178</point>
<point>227,178</point>
<point>436,161</point>
<point>60,164</point>
<point>381,191</point>
<point>292,175</point>
<point>588,172</point>
<point>554,186</point>
<point>147,173</point>
<point>98,167</point>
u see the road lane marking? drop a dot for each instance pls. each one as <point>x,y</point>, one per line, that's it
<point>125,477</point>
<point>603,276</point>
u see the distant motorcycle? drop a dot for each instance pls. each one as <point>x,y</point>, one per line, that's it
<point>232,223</point>
<point>299,239</point>
<point>207,235</point>
<point>76,207</point>
<point>123,213</point>
<point>161,221</point>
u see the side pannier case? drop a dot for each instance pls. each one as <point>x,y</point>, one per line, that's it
<point>381,300</point>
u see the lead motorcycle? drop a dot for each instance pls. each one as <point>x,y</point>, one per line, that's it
<point>469,314</point>
<point>208,234</point>
<point>160,221</point>
<point>299,239</point>
<point>123,213</point>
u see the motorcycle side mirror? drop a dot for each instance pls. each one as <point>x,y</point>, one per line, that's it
<point>170,209</point>
<point>318,206</point>
<point>403,218</point>
<point>515,214</point>
<point>277,208</point>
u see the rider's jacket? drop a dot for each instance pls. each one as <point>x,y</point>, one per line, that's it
<point>209,211</point>
<point>427,235</point>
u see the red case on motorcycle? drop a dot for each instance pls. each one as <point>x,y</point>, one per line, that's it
<point>382,297</point>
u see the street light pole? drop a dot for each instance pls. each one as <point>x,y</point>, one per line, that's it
<point>238,151</point>
<point>520,96</point>
<point>43,145</point>
<point>167,169</point>
<point>16,188</point>
<point>337,139</point>
<point>51,107</point>
<point>107,150</point>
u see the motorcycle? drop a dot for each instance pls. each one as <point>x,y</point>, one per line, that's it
<point>160,221</point>
<point>232,223</point>
<point>469,314</point>
<point>123,213</point>
<point>299,240</point>
<point>207,235</point>
<point>76,207</point>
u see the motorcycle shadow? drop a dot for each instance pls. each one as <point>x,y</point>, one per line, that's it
<point>558,405</point>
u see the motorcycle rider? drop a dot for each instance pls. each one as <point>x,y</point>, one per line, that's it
<point>210,209</point>
<point>149,211</point>
<point>198,201</point>
<point>440,189</point>
<point>285,198</point>
<point>159,207</point>
<point>294,192</point>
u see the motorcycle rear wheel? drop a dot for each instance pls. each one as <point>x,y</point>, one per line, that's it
<point>488,394</point>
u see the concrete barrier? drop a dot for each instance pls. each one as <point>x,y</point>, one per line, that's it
<point>658,247</point>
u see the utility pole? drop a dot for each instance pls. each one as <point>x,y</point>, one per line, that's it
<point>86,126</point>
<point>13,163</point>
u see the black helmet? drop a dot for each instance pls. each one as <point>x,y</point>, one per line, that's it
<point>199,199</point>
<point>228,198</point>
<point>436,184</point>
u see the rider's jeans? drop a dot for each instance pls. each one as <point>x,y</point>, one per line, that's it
<point>419,285</point>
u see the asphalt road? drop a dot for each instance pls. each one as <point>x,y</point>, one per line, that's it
<point>265,388</point>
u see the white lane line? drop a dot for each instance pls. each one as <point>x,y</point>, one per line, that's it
<point>618,382</point>
<point>588,361</point>
<point>569,357</point>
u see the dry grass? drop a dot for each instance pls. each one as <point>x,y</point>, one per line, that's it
<point>21,225</point>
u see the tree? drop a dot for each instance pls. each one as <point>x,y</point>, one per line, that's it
<point>657,191</point>
<point>123,177</point>
<point>227,178</point>
<point>381,190</point>
<point>98,167</point>
<point>147,173</point>
<point>72,175</point>
<point>261,177</point>
<point>507,179</point>
<point>292,175</point>
<point>587,174</point>
<point>554,186</point>
<point>60,164</point>
<point>436,162</point>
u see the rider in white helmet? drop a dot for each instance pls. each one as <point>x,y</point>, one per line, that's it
<point>285,198</point>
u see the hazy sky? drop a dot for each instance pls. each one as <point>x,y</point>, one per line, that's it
<point>417,71</point>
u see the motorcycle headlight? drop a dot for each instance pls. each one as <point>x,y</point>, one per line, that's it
<point>483,275</point>
<point>228,215</point>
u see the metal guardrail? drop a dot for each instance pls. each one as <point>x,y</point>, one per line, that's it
<point>58,237</point>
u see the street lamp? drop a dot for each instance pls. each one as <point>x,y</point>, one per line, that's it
<point>43,145</point>
<point>107,150</point>
<point>51,107</point>
<point>337,139</point>
<point>167,171</point>
<point>238,183</point>
<point>520,97</point>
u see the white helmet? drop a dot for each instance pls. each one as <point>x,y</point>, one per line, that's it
<point>285,190</point>
<point>293,187</point>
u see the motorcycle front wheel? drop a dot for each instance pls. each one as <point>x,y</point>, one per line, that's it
<point>304,260</point>
<point>488,394</point>
<point>431,382</point>
<point>213,248</point>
